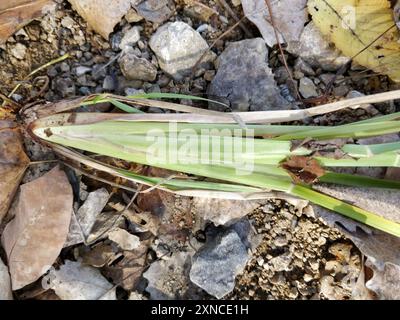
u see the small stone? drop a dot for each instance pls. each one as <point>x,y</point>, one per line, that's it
<point>307,88</point>
<point>342,251</point>
<point>109,83</point>
<point>67,22</point>
<point>91,208</point>
<point>327,78</point>
<point>280,241</point>
<point>65,67</point>
<point>282,262</point>
<point>304,67</point>
<point>217,263</point>
<point>18,51</point>
<point>65,87</point>
<point>341,91</point>
<point>124,239</point>
<point>168,279</point>
<point>260,261</point>
<point>308,277</point>
<point>245,79</point>
<point>333,266</point>
<point>130,37</point>
<point>132,16</point>
<point>81,70</point>
<point>209,75</point>
<point>314,49</point>
<point>156,11</point>
<point>135,68</point>
<point>178,48</point>
<point>198,11</point>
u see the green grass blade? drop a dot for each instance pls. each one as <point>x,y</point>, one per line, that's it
<point>347,210</point>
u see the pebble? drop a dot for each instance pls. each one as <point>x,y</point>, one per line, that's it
<point>81,70</point>
<point>131,37</point>
<point>18,51</point>
<point>307,88</point>
<point>217,263</point>
<point>65,87</point>
<point>178,47</point>
<point>157,11</point>
<point>109,83</point>
<point>314,49</point>
<point>245,79</point>
<point>135,68</point>
<point>67,22</point>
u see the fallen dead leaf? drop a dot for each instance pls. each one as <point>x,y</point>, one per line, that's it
<point>124,239</point>
<point>303,169</point>
<point>5,283</point>
<point>35,237</point>
<point>128,271</point>
<point>289,23</point>
<point>14,14</point>
<point>102,15</point>
<point>75,281</point>
<point>362,29</point>
<point>13,163</point>
<point>100,255</point>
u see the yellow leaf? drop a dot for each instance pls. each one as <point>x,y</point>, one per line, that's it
<point>357,25</point>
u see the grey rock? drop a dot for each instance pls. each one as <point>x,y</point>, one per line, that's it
<point>156,11</point>
<point>245,79</point>
<point>5,283</point>
<point>67,22</point>
<point>65,67</point>
<point>81,70</point>
<point>92,207</point>
<point>65,87</point>
<point>130,37</point>
<point>132,16</point>
<point>18,51</point>
<point>221,211</point>
<point>168,279</point>
<point>314,49</point>
<point>135,68</point>
<point>109,83</point>
<point>217,263</point>
<point>281,263</point>
<point>178,47</point>
<point>307,88</point>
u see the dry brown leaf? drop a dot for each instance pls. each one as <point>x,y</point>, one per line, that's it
<point>14,14</point>
<point>13,162</point>
<point>35,237</point>
<point>303,169</point>
<point>128,271</point>
<point>102,15</point>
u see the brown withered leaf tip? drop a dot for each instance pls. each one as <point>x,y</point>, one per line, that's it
<point>303,169</point>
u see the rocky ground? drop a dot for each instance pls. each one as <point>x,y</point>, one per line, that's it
<point>276,250</point>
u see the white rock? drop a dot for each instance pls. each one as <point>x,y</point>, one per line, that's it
<point>178,47</point>
<point>5,283</point>
<point>307,88</point>
<point>130,37</point>
<point>75,281</point>
<point>314,49</point>
<point>81,70</point>
<point>92,207</point>
<point>18,51</point>
<point>290,17</point>
<point>124,239</point>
